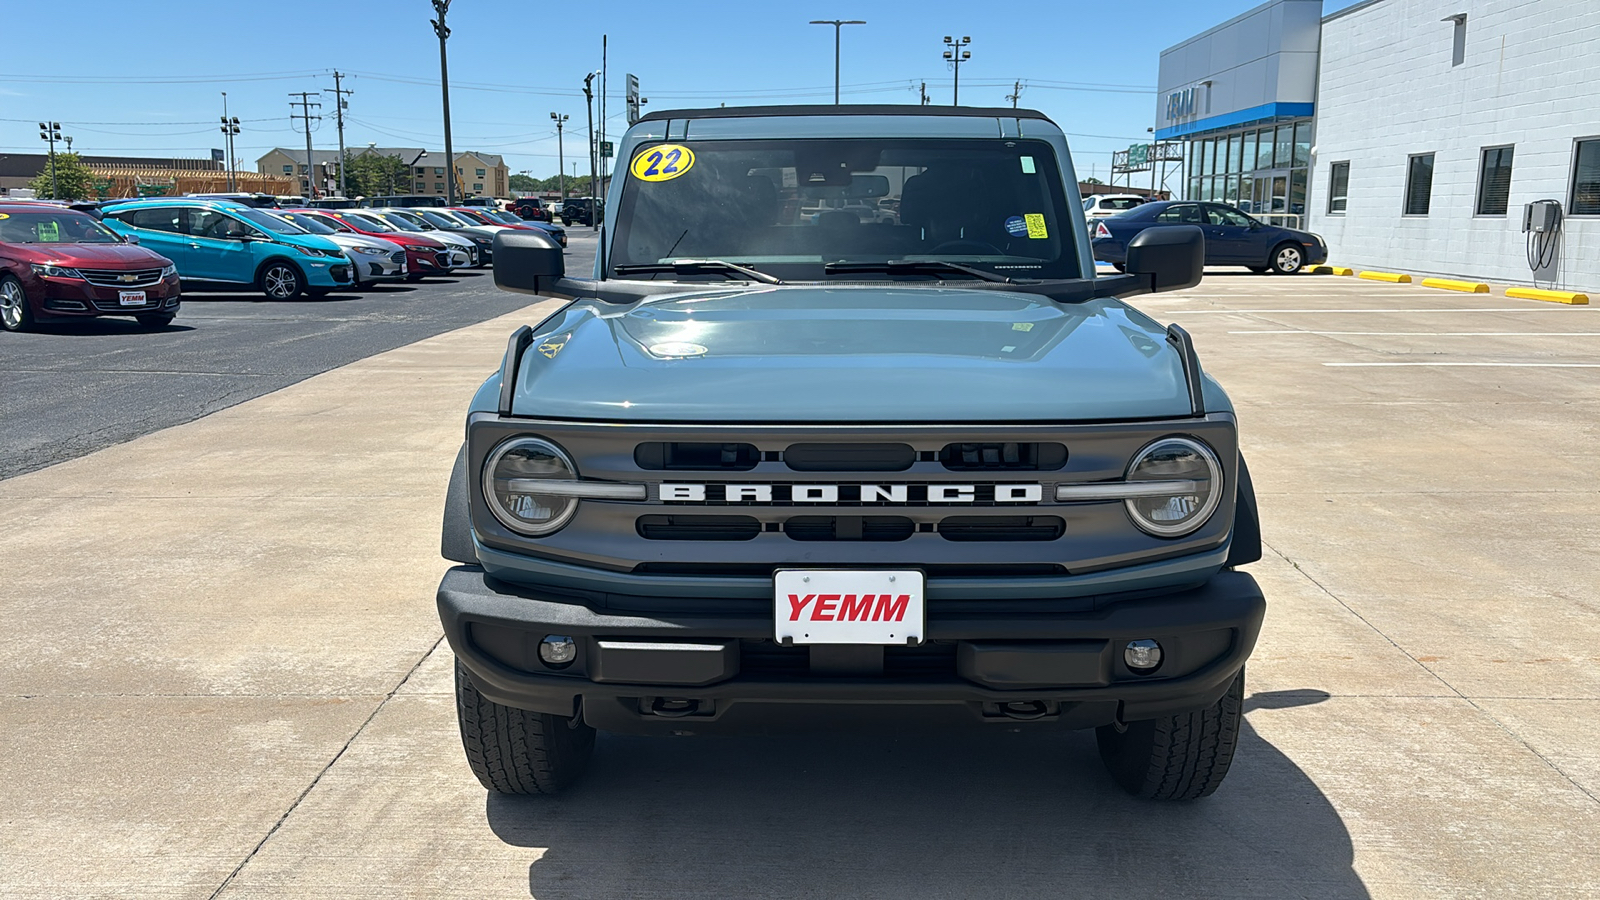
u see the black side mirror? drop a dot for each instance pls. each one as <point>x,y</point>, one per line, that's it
<point>1174,258</point>
<point>524,261</point>
<point>130,239</point>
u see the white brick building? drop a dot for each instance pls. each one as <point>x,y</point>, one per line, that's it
<point>1418,103</point>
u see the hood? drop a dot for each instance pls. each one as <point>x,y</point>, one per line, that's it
<point>90,256</point>
<point>314,241</point>
<point>851,354</point>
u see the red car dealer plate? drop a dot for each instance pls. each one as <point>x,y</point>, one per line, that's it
<point>131,298</point>
<point>848,606</point>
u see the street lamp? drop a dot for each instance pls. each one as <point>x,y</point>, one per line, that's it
<point>230,127</point>
<point>51,131</point>
<point>443,31</point>
<point>838,25</point>
<point>561,159</point>
<point>957,55</point>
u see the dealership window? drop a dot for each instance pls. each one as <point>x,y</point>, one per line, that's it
<point>1419,184</point>
<point>1494,181</point>
<point>1585,200</point>
<point>1338,188</point>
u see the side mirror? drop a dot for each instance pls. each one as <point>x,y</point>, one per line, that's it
<point>1173,257</point>
<point>130,239</point>
<point>526,260</point>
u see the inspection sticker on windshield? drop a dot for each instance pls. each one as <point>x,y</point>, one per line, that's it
<point>663,162</point>
<point>1036,229</point>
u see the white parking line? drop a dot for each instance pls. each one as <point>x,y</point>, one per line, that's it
<point>1496,365</point>
<point>1433,333</point>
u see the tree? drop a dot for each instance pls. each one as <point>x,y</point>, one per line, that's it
<point>1092,180</point>
<point>74,180</point>
<point>374,175</point>
<point>521,182</point>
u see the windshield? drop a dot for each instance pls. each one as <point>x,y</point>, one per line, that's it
<point>368,223</point>
<point>433,218</point>
<point>502,216</point>
<point>267,220</point>
<point>53,226</point>
<point>410,218</point>
<point>452,215</point>
<point>789,207</point>
<point>307,223</point>
<point>324,220</point>
<point>399,221</point>
<point>472,216</point>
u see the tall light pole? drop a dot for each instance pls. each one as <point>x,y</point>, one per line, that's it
<point>230,127</point>
<point>838,25</point>
<point>956,55</point>
<point>561,150</point>
<point>594,149</point>
<point>51,131</point>
<point>441,7</point>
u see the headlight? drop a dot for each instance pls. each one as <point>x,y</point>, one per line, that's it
<point>50,271</point>
<point>510,477</point>
<point>417,248</point>
<point>169,270</point>
<point>1182,460</point>
<point>312,251</point>
<point>374,251</point>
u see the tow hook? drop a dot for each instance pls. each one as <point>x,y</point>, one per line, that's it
<point>670,707</point>
<point>1025,709</point>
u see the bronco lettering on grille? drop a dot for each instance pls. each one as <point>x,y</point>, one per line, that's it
<point>867,494</point>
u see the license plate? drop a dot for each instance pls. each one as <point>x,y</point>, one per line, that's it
<point>130,298</point>
<point>848,606</point>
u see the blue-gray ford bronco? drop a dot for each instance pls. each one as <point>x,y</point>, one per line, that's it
<point>845,425</point>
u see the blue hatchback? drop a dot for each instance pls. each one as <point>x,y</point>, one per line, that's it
<point>228,244</point>
<point>1232,238</point>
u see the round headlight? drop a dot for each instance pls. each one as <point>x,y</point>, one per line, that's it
<point>1175,459</point>
<point>510,485</point>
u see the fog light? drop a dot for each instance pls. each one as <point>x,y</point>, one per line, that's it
<point>559,650</point>
<point>1141,656</point>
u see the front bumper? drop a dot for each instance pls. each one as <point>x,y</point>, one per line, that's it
<point>658,672</point>
<point>326,272</point>
<point>61,299</point>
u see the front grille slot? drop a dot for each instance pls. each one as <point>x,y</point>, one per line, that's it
<point>698,528</point>
<point>765,570</point>
<point>1002,528</point>
<point>849,528</point>
<point>110,278</point>
<point>1004,455</point>
<point>687,456</point>
<point>849,457</point>
<point>933,659</point>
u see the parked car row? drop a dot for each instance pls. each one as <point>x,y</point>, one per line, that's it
<point>1232,238</point>
<point>134,257</point>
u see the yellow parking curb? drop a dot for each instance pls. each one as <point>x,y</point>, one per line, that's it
<point>1466,287</point>
<point>1391,277</point>
<point>1332,270</point>
<point>1553,296</point>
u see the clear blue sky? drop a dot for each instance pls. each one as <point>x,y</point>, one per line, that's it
<point>133,77</point>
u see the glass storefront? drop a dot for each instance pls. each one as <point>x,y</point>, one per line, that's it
<point>1261,170</point>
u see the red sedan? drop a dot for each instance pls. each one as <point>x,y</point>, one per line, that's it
<point>424,255</point>
<point>57,265</point>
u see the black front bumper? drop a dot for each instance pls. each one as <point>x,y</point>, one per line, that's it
<point>660,672</point>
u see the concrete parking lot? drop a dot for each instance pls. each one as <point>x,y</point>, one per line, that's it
<point>221,672</point>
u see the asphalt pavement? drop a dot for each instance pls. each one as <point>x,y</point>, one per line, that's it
<point>73,389</point>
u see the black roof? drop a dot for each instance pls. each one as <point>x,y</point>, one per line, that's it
<point>829,109</point>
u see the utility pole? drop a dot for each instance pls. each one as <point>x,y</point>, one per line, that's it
<point>230,127</point>
<point>924,94</point>
<point>838,26</point>
<point>956,55</point>
<point>51,131</point>
<point>594,146</point>
<point>305,105</point>
<point>561,150</point>
<point>441,7</point>
<point>1016,93</point>
<point>605,163</point>
<point>338,112</point>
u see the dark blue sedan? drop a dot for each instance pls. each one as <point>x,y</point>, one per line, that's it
<point>1232,238</point>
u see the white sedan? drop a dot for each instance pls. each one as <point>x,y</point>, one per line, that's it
<point>1099,206</point>
<point>371,259</point>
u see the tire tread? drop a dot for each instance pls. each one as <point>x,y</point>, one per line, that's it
<point>515,751</point>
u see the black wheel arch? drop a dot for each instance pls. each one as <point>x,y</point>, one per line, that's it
<point>455,541</point>
<point>1245,546</point>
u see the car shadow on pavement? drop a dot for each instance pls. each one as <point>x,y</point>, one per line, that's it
<point>922,814</point>
<point>101,327</point>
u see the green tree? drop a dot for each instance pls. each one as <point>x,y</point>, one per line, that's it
<point>1092,180</point>
<point>521,182</point>
<point>373,175</point>
<point>73,180</point>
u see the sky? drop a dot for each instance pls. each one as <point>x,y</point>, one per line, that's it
<point>134,79</point>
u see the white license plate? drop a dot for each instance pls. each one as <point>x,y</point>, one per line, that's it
<point>849,606</point>
<point>130,298</point>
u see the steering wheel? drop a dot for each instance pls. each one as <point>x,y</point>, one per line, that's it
<point>966,246</point>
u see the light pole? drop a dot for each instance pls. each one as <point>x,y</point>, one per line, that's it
<point>956,55</point>
<point>230,127</point>
<point>561,150</point>
<point>51,131</point>
<point>838,25</point>
<point>594,148</point>
<point>441,7</point>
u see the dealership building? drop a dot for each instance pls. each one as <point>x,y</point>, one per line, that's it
<point>1441,137</point>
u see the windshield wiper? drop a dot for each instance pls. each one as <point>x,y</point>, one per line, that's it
<point>690,266</point>
<point>898,266</point>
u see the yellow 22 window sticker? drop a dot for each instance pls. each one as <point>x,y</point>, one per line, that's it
<point>663,162</point>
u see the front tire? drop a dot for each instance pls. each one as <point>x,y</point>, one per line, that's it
<point>15,314</point>
<point>281,281</point>
<point>514,751</point>
<point>1182,757</point>
<point>1288,259</point>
